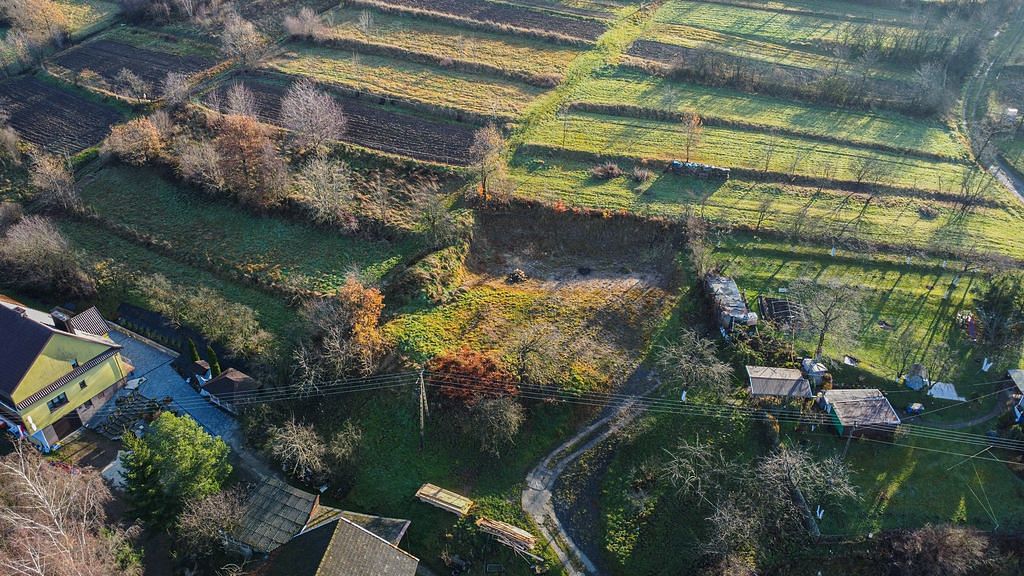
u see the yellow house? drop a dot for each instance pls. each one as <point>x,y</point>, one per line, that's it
<point>56,371</point>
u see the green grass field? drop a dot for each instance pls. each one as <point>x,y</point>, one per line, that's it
<point>505,51</point>
<point>640,139</point>
<point>402,80</point>
<point>619,86</point>
<point>161,42</point>
<point>99,250</point>
<point>1013,152</point>
<point>87,16</point>
<point>222,235</point>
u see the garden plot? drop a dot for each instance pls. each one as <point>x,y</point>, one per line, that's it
<point>923,223</point>
<point>376,126</point>
<point>639,139</point>
<point>499,15</point>
<point>503,52</point>
<point>429,87</point>
<point>278,253</point>
<point>602,9</point>
<point>108,58</point>
<point>57,119</point>
<point>885,130</point>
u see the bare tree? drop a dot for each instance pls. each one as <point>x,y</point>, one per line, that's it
<point>175,88</point>
<point>771,143</point>
<point>344,443</point>
<point>53,183</point>
<point>53,521</point>
<point>313,115</point>
<point>486,153</point>
<point>693,129</point>
<point>241,40</point>
<point>199,162</point>
<point>205,522</point>
<point>325,186</point>
<point>830,308</point>
<point>764,211</point>
<point>941,551</point>
<point>306,24</point>
<point>496,423</point>
<point>697,468</point>
<point>902,352</point>
<point>299,449</point>
<point>241,101</point>
<point>131,85</point>
<point>692,362</point>
<point>365,23</point>
<point>378,189</point>
<point>975,186</point>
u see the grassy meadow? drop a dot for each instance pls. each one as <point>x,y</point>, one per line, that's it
<point>87,16</point>
<point>219,235</point>
<point>401,80</point>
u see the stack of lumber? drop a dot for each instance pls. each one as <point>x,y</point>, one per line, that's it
<point>444,499</point>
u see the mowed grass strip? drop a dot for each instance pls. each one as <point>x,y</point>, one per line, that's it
<point>838,9</point>
<point>161,42</point>
<point>87,16</point>
<point>100,250</point>
<point>219,234</point>
<point>402,80</point>
<point>620,86</point>
<point>603,135</point>
<point>738,202</point>
<point>504,51</point>
<point>1013,152</point>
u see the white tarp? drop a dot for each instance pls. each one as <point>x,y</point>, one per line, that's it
<point>945,391</point>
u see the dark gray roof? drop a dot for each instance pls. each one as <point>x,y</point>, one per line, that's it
<point>91,322</point>
<point>273,515</point>
<point>771,381</point>
<point>231,384</point>
<point>22,340</point>
<point>390,529</point>
<point>341,548</point>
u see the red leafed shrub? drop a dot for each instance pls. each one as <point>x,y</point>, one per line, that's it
<point>467,377</point>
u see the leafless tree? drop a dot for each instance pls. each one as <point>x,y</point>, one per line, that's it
<point>365,24</point>
<point>698,244</point>
<point>439,224</point>
<point>312,114</point>
<point>734,525</point>
<point>693,129</point>
<point>941,551</point>
<point>496,423</point>
<point>52,521</point>
<point>692,362</point>
<point>131,85</point>
<point>241,101</point>
<point>789,480</point>
<point>975,186</point>
<point>764,211</point>
<point>902,352</point>
<point>326,187</point>
<point>378,191</point>
<point>205,522</point>
<point>53,183</point>
<point>699,469</point>
<point>771,143</point>
<point>344,444</point>
<point>199,162</point>
<point>175,88</point>
<point>942,360</point>
<point>299,449</point>
<point>241,40</point>
<point>800,221</point>
<point>831,308</point>
<point>306,24</point>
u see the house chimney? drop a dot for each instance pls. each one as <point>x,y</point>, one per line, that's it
<point>62,321</point>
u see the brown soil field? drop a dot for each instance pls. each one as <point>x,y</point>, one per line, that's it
<point>107,58</point>
<point>506,15</point>
<point>375,126</point>
<point>58,120</point>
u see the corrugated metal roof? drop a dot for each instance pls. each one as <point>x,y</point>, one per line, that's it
<point>861,407</point>
<point>770,381</point>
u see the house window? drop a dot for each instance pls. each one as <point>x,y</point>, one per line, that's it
<point>57,402</point>
<point>87,404</point>
<point>82,384</point>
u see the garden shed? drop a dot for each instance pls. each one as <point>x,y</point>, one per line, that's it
<point>229,389</point>
<point>730,305</point>
<point>779,382</point>
<point>861,412</point>
<point>274,514</point>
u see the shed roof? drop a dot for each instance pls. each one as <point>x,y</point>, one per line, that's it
<point>274,514</point>
<point>231,384</point>
<point>770,381</point>
<point>1018,378</point>
<point>727,295</point>
<point>341,548</point>
<point>861,407</point>
<point>91,322</point>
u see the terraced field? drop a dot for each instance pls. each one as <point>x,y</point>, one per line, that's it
<point>210,234</point>
<point>57,118</point>
<point>87,16</point>
<point>427,86</point>
<point>510,54</point>
<point>614,86</point>
<point>380,127</point>
<point>639,139</point>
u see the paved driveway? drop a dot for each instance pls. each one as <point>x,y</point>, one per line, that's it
<point>163,381</point>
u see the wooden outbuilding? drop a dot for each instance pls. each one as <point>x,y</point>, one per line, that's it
<point>861,412</point>
<point>778,382</point>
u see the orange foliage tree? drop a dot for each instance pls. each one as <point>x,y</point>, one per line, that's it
<point>251,166</point>
<point>468,376</point>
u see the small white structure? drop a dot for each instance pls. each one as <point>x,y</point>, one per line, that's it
<point>1012,114</point>
<point>814,371</point>
<point>945,391</point>
<point>1017,376</point>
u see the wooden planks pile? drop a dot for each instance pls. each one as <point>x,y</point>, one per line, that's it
<point>507,533</point>
<point>444,499</point>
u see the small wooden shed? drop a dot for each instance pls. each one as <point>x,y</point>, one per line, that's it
<point>444,499</point>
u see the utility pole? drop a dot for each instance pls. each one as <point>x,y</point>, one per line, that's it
<point>424,408</point>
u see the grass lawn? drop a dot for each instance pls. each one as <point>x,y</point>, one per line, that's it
<point>504,51</point>
<point>737,202</point>
<point>160,42</point>
<point>837,9</point>
<point>417,83</point>
<point>100,249</point>
<point>214,234</point>
<point>618,86</point>
<point>87,16</point>
<point>1013,152</point>
<point>739,148</point>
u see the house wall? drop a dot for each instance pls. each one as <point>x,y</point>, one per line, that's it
<point>98,381</point>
